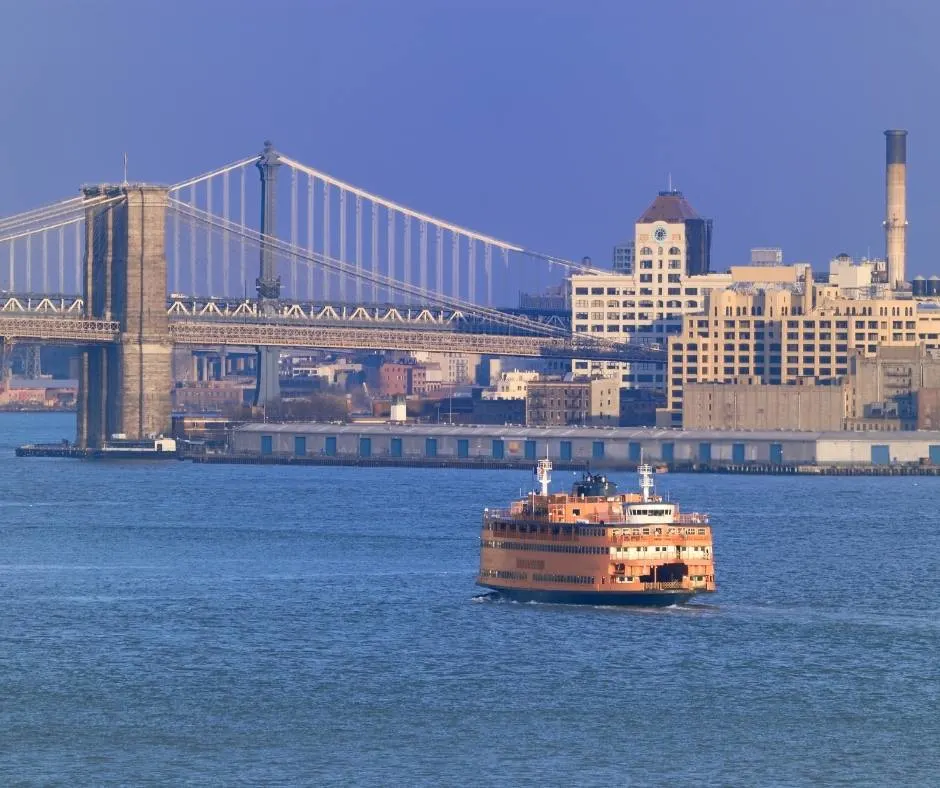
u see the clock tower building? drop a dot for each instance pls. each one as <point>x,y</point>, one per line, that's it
<point>671,237</point>
<point>657,278</point>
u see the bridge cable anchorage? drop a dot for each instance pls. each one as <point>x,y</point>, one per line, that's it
<point>386,282</point>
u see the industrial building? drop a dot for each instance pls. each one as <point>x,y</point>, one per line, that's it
<point>739,406</point>
<point>611,447</point>
<point>560,403</point>
<point>785,334</point>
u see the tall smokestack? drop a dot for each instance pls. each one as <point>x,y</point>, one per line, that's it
<point>896,205</point>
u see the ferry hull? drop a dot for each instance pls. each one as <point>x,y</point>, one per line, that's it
<point>613,598</point>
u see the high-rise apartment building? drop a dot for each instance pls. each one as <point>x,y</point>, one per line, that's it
<point>624,257</point>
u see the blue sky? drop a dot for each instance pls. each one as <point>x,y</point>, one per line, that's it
<point>550,124</point>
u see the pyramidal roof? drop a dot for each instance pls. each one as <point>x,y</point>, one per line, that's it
<point>669,207</point>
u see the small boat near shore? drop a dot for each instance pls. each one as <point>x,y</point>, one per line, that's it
<point>120,448</point>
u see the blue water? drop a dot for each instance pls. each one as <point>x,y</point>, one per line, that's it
<point>173,624</point>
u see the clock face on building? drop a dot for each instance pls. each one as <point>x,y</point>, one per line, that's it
<point>660,234</point>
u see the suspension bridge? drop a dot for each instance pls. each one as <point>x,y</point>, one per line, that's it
<point>127,270</point>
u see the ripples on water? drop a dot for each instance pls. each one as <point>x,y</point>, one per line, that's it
<point>172,624</point>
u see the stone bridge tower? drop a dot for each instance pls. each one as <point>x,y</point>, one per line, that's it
<point>124,388</point>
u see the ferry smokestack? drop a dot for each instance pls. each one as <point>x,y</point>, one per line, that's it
<point>896,205</point>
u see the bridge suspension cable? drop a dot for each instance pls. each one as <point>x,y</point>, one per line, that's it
<point>48,225</point>
<point>406,235</point>
<point>50,212</point>
<point>41,231</point>
<point>397,207</point>
<point>376,278</point>
<point>214,174</point>
<point>427,219</point>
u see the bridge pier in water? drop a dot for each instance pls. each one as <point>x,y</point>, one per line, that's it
<point>125,387</point>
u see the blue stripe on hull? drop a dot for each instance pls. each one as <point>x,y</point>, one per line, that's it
<point>637,598</point>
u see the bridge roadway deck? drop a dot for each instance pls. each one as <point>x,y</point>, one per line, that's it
<point>193,331</point>
<point>60,329</point>
<point>216,332</point>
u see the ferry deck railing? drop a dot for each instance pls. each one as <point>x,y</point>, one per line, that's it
<point>683,518</point>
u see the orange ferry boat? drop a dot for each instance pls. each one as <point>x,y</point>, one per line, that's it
<point>596,546</point>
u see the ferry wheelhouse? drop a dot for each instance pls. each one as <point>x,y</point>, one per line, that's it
<point>596,546</point>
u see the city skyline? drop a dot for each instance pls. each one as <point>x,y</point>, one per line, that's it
<point>539,123</point>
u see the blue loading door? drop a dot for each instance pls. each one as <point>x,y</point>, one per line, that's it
<point>365,447</point>
<point>776,453</point>
<point>267,444</point>
<point>463,447</point>
<point>597,450</point>
<point>669,452</point>
<point>395,447</point>
<point>635,451</point>
<point>704,452</point>
<point>499,449</point>
<point>300,446</point>
<point>934,455</point>
<point>737,453</point>
<point>330,447</point>
<point>565,450</point>
<point>430,447</point>
<point>881,455</point>
<point>530,450</point>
